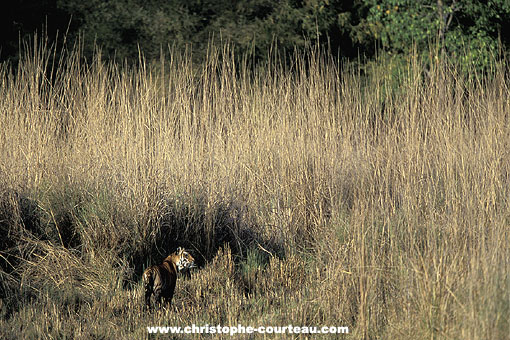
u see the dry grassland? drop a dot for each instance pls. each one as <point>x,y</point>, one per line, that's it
<point>311,194</point>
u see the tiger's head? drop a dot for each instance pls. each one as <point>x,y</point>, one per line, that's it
<point>184,260</point>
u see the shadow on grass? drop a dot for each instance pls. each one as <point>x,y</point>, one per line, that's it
<point>203,230</point>
<point>59,225</point>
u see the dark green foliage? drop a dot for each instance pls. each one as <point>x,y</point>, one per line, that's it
<point>120,27</point>
<point>466,29</point>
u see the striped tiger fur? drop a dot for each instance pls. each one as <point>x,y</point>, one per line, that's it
<point>159,280</point>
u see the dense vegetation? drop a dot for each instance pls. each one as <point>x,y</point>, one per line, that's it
<point>313,185</point>
<point>310,196</point>
<point>470,30</point>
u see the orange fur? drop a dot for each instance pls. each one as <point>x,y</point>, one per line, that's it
<point>159,280</point>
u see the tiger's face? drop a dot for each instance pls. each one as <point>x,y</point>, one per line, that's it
<point>185,261</point>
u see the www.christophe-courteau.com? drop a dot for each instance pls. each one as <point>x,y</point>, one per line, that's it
<point>239,329</point>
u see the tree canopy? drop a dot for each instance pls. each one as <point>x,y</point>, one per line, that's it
<point>468,28</point>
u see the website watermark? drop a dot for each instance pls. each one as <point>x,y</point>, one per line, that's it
<point>240,329</point>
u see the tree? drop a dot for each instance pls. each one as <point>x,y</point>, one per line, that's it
<point>120,26</point>
<point>467,29</point>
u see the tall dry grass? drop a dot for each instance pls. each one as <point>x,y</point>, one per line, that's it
<point>311,194</point>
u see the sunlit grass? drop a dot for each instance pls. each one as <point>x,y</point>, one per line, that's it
<point>313,197</point>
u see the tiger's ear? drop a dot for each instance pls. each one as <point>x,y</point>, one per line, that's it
<point>179,250</point>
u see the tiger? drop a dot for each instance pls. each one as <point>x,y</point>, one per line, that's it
<point>159,280</point>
